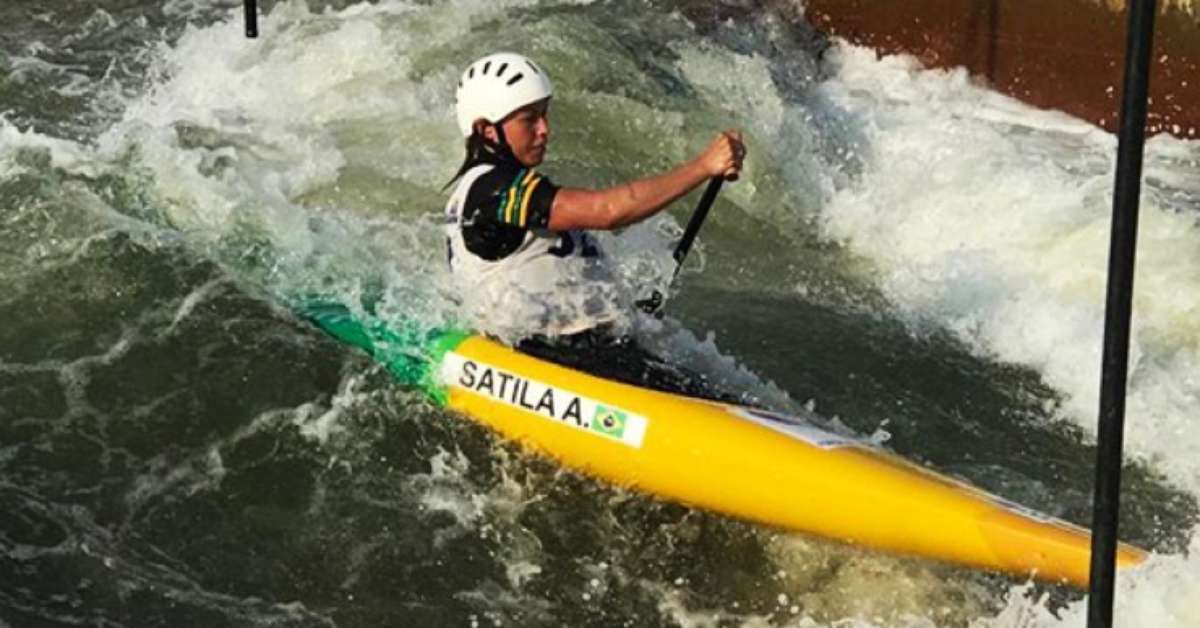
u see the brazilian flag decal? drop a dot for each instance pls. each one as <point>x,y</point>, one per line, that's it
<point>608,421</point>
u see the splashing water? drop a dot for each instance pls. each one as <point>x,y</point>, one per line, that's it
<point>908,254</point>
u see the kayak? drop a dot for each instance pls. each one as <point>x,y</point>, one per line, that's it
<point>746,462</point>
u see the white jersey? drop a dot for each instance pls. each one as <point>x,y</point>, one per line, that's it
<point>553,283</point>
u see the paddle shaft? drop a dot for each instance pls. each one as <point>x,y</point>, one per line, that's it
<point>651,304</point>
<point>697,220</point>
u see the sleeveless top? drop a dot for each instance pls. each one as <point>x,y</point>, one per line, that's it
<point>516,277</point>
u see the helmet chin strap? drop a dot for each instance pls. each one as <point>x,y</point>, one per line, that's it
<point>501,145</point>
<point>480,150</point>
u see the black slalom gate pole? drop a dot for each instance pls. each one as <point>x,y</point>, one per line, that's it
<point>251,18</point>
<point>1118,308</point>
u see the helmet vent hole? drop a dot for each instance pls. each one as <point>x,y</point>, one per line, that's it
<point>503,67</point>
<point>471,72</point>
<point>515,79</point>
<point>532,66</point>
<point>486,66</point>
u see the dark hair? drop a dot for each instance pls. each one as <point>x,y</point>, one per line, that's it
<point>480,150</point>
<point>477,153</point>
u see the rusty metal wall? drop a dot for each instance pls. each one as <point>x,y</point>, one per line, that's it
<point>1060,54</point>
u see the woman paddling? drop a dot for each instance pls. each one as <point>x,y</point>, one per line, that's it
<point>518,244</point>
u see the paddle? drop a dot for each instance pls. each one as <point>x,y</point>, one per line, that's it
<point>651,304</point>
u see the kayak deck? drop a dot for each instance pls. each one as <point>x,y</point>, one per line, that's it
<point>757,465</point>
<point>745,462</point>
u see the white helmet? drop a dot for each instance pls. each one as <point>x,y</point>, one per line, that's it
<point>497,85</point>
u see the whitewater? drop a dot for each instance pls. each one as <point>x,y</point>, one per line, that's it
<point>909,255</point>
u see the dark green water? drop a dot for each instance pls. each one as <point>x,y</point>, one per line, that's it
<point>176,448</point>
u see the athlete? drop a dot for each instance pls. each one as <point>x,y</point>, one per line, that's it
<point>518,243</point>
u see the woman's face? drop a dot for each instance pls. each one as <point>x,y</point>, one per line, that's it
<point>528,131</point>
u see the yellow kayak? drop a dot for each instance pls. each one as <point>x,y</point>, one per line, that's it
<point>745,462</point>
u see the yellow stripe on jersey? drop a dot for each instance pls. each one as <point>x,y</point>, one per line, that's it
<point>525,201</point>
<point>510,199</point>
<point>523,198</point>
<point>529,177</point>
<point>517,198</point>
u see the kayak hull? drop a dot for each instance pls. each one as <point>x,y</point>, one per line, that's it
<point>749,463</point>
<point>756,465</point>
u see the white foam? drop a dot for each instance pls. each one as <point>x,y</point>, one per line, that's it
<point>991,218</point>
<point>1002,235</point>
<point>1163,592</point>
<point>237,132</point>
<point>779,134</point>
<point>65,154</point>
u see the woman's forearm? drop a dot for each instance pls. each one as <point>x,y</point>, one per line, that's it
<point>625,204</point>
<point>629,203</point>
<point>622,205</point>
